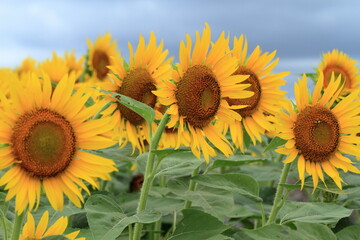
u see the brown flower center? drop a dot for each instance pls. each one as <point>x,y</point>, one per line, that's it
<point>138,85</point>
<point>43,142</point>
<point>198,96</point>
<point>99,61</point>
<point>337,70</point>
<point>317,133</point>
<point>255,87</point>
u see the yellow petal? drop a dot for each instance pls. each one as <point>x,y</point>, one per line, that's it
<point>42,225</point>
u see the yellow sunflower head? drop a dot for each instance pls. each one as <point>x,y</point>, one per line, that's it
<point>56,68</point>
<point>338,63</point>
<point>100,53</point>
<point>267,99</point>
<point>7,76</point>
<point>27,65</point>
<point>74,65</point>
<point>320,132</point>
<point>148,66</point>
<point>196,96</point>
<point>44,132</point>
<point>32,232</point>
<point>171,138</point>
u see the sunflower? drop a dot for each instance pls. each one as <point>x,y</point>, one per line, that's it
<point>340,64</point>
<point>30,232</point>
<point>197,94</point>
<point>320,132</point>
<point>100,54</point>
<point>147,67</point>
<point>267,99</point>
<point>7,76</point>
<point>170,137</point>
<point>55,68</point>
<point>74,65</point>
<point>44,132</point>
<point>27,65</point>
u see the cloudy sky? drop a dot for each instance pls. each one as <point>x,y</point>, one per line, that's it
<point>300,31</point>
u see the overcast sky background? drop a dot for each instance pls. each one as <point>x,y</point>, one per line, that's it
<point>300,31</point>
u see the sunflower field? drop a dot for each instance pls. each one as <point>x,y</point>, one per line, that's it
<point>100,147</point>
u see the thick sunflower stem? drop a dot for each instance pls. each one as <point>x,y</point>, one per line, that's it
<point>192,186</point>
<point>17,226</point>
<point>279,194</point>
<point>148,177</point>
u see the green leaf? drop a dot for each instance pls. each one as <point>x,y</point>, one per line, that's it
<point>161,154</point>
<point>275,142</point>
<point>312,212</point>
<point>68,210</point>
<point>349,233</point>
<point>107,220</point>
<point>313,76</point>
<point>124,157</point>
<point>102,214</point>
<point>142,217</point>
<point>234,182</point>
<point>197,225</point>
<point>308,231</point>
<point>269,232</point>
<point>247,139</point>
<point>237,160</point>
<point>313,231</point>
<point>140,108</point>
<point>217,202</point>
<point>84,232</point>
<point>177,164</point>
<point>221,237</point>
<point>164,205</point>
<point>5,225</point>
<point>55,237</point>
<point>330,187</point>
<point>262,172</point>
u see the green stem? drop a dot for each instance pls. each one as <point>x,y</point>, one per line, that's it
<point>148,177</point>
<point>174,223</point>
<point>150,231</point>
<point>279,193</point>
<point>130,231</point>
<point>192,187</point>
<point>157,226</point>
<point>98,114</point>
<point>278,159</point>
<point>17,226</point>
<point>255,224</point>
<point>3,217</point>
<point>157,230</point>
<point>263,218</point>
<point>103,185</point>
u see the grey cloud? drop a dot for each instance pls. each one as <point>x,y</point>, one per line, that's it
<point>300,31</point>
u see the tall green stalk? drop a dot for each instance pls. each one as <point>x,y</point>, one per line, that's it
<point>279,194</point>
<point>149,176</point>
<point>192,186</point>
<point>17,226</point>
